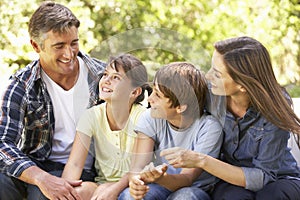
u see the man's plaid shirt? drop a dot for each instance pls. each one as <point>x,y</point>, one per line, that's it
<point>27,119</point>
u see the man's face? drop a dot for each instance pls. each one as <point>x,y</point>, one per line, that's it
<point>58,55</point>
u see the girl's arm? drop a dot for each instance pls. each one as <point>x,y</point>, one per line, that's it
<point>75,164</point>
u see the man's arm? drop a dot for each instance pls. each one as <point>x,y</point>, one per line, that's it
<point>51,186</point>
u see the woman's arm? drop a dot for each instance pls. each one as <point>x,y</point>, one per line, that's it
<point>75,164</point>
<point>182,158</point>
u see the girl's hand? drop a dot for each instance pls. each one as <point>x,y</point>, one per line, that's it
<point>105,192</point>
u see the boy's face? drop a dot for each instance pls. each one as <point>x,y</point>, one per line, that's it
<point>161,106</point>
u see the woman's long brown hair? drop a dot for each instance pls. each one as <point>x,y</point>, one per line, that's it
<point>248,63</point>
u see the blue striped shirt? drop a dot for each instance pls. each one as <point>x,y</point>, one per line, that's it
<point>27,118</point>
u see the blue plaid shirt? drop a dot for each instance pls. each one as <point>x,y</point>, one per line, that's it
<point>27,118</point>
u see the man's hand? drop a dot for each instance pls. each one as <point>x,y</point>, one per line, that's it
<point>58,188</point>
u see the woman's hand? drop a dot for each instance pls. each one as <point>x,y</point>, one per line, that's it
<point>183,158</point>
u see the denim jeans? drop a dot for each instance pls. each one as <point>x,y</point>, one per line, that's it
<point>281,189</point>
<point>14,189</point>
<point>157,192</point>
<point>189,193</point>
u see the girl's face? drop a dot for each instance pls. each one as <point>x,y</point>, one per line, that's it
<point>114,85</point>
<point>221,82</point>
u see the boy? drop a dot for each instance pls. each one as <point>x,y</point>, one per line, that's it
<point>176,119</point>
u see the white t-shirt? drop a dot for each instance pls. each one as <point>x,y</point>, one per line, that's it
<point>68,107</point>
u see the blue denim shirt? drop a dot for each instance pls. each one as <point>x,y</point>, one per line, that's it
<point>257,146</point>
<point>260,148</point>
<point>27,119</point>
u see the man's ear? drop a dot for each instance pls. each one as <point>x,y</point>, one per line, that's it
<point>35,46</point>
<point>180,109</point>
<point>136,92</point>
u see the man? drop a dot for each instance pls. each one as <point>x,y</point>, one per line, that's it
<point>41,107</point>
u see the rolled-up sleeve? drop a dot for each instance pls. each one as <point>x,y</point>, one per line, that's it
<point>269,159</point>
<point>254,178</point>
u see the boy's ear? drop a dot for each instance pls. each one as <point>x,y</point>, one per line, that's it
<point>136,92</point>
<point>180,109</point>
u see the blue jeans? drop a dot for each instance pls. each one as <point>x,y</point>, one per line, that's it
<point>189,193</point>
<point>157,192</point>
<point>14,189</point>
<point>281,189</point>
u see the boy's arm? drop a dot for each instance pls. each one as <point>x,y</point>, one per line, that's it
<point>142,155</point>
<point>170,181</point>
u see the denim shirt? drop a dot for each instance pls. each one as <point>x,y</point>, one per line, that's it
<point>27,118</point>
<point>259,148</point>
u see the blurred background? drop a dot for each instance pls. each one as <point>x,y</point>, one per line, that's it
<point>161,31</point>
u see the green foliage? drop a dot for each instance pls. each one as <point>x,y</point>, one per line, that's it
<point>164,31</point>
<point>293,90</point>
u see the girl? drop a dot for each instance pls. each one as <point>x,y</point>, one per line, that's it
<point>111,125</point>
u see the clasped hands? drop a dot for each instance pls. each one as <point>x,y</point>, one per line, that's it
<point>138,187</point>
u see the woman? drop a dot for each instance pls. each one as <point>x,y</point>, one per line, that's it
<point>256,162</point>
<point>110,124</point>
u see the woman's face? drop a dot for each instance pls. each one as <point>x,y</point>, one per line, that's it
<point>221,82</point>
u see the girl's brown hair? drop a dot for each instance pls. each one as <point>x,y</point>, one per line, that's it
<point>134,70</point>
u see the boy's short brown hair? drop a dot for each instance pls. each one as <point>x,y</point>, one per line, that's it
<point>183,84</point>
